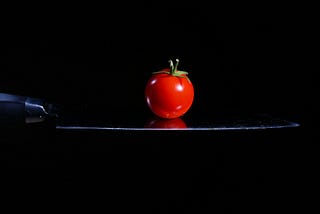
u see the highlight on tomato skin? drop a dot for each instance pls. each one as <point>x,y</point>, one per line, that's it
<point>159,123</point>
<point>169,93</point>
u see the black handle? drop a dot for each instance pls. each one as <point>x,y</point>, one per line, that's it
<point>16,109</point>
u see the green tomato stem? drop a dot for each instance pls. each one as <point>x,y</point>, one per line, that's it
<point>173,67</point>
<point>174,71</point>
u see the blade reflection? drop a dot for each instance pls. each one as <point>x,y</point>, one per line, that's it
<point>162,123</point>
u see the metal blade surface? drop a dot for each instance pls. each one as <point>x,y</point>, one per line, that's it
<point>223,122</point>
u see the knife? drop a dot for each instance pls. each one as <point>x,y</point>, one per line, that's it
<point>17,109</point>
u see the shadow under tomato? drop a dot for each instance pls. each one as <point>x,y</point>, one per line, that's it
<point>157,122</point>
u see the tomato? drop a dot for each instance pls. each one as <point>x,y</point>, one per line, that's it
<point>174,123</point>
<point>169,93</point>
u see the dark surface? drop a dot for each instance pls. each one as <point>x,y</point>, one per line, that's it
<point>239,59</point>
<point>168,172</point>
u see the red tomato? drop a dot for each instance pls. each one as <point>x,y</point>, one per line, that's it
<point>174,123</point>
<point>169,93</point>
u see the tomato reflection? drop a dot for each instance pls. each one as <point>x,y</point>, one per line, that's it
<point>157,122</point>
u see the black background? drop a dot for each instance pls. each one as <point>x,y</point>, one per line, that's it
<point>240,58</point>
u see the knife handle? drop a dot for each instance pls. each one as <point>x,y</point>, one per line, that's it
<point>21,109</point>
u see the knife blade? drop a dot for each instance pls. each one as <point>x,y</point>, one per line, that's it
<point>17,109</point>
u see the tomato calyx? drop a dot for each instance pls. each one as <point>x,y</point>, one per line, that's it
<point>174,71</point>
